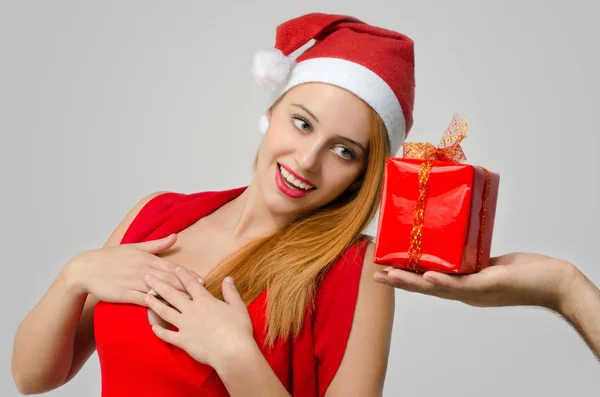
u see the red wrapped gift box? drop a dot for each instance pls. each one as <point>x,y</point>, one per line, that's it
<point>436,213</point>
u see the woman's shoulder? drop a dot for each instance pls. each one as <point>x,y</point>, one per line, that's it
<point>171,211</point>
<point>164,200</point>
<point>345,273</point>
<point>134,212</point>
<point>146,209</point>
<point>355,254</point>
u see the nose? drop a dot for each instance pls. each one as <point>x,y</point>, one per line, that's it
<point>308,157</point>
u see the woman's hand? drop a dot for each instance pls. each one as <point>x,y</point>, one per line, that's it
<point>116,273</point>
<point>208,329</point>
<point>510,280</point>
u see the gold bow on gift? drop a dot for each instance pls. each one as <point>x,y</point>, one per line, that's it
<point>449,148</point>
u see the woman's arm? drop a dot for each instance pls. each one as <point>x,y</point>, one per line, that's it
<point>65,314</point>
<point>245,372</point>
<point>580,306</point>
<point>364,365</point>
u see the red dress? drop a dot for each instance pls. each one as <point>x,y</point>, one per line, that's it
<point>134,362</point>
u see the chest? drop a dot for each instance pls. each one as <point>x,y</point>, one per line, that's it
<point>199,248</point>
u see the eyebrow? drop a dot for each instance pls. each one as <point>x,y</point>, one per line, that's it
<point>352,141</point>
<point>339,136</point>
<point>306,110</point>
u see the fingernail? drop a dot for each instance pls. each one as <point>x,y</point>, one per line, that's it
<point>178,269</point>
<point>387,269</point>
<point>147,299</point>
<point>200,280</point>
<point>229,280</point>
<point>147,277</point>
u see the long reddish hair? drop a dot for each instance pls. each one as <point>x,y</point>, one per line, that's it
<point>292,261</point>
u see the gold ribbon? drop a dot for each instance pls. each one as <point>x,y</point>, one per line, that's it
<point>483,218</point>
<point>449,149</point>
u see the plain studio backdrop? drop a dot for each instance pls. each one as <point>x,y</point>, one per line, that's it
<point>105,102</point>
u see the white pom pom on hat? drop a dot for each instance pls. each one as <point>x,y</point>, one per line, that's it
<point>375,64</point>
<point>270,67</point>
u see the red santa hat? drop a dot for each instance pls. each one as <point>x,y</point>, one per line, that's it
<point>375,64</point>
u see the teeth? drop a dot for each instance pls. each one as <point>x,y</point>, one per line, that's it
<point>290,178</point>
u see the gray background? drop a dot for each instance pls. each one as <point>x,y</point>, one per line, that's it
<point>104,102</point>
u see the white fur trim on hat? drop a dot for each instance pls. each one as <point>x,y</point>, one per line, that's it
<point>359,80</point>
<point>270,67</point>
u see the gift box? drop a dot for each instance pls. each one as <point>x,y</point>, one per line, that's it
<point>436,212</point>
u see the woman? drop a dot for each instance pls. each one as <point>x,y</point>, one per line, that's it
<point>286,253</point>
<point>294,232</point>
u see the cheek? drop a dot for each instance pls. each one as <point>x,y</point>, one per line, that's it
<point>280,138</point>
<point>339,177</point>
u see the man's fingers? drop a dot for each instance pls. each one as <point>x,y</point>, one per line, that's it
<point>462,283</point>
<point>406,280</point>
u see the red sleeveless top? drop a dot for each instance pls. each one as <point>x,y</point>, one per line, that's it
<point>134,362</point>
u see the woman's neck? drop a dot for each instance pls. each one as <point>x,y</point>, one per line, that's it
<point>247,216</point>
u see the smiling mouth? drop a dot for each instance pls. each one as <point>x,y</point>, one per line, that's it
<point>292,181</point>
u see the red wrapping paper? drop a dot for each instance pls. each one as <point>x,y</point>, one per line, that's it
<point>454,232</point>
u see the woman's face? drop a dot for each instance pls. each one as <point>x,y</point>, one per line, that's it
<point>318,138</point>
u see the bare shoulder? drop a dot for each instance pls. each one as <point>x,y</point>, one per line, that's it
<point>373,294</point>
<point>118,233</point>
<point>364,365</point>
<point>369,267</point>
<point>84,344</point>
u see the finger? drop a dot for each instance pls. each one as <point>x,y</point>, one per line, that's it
<point>406,280</point>
<point>157,246</point>
<point>231,293</point>
<point>465,283</point>
<point>135,297</point>
<point>456,287</point>
<point>193,285</point>
<point>171,337</point>
<point>159,263</point>
<point>173,296</point>
<point>168,266</point>
<point>142,286</point>
<point>169,278</point>
<point>164,311</point>
<point>488,280</point>
<point>413,282</point>
<point>196,275</point>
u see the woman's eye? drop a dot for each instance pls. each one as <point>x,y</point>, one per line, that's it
<point>344,152</point>
<point>301,124</point>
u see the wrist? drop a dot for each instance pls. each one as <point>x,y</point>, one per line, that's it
<point>235,355</point>
<point>573,285</point>
<point>72,276</point>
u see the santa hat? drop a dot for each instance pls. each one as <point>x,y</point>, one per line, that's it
<point>375,64</point>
